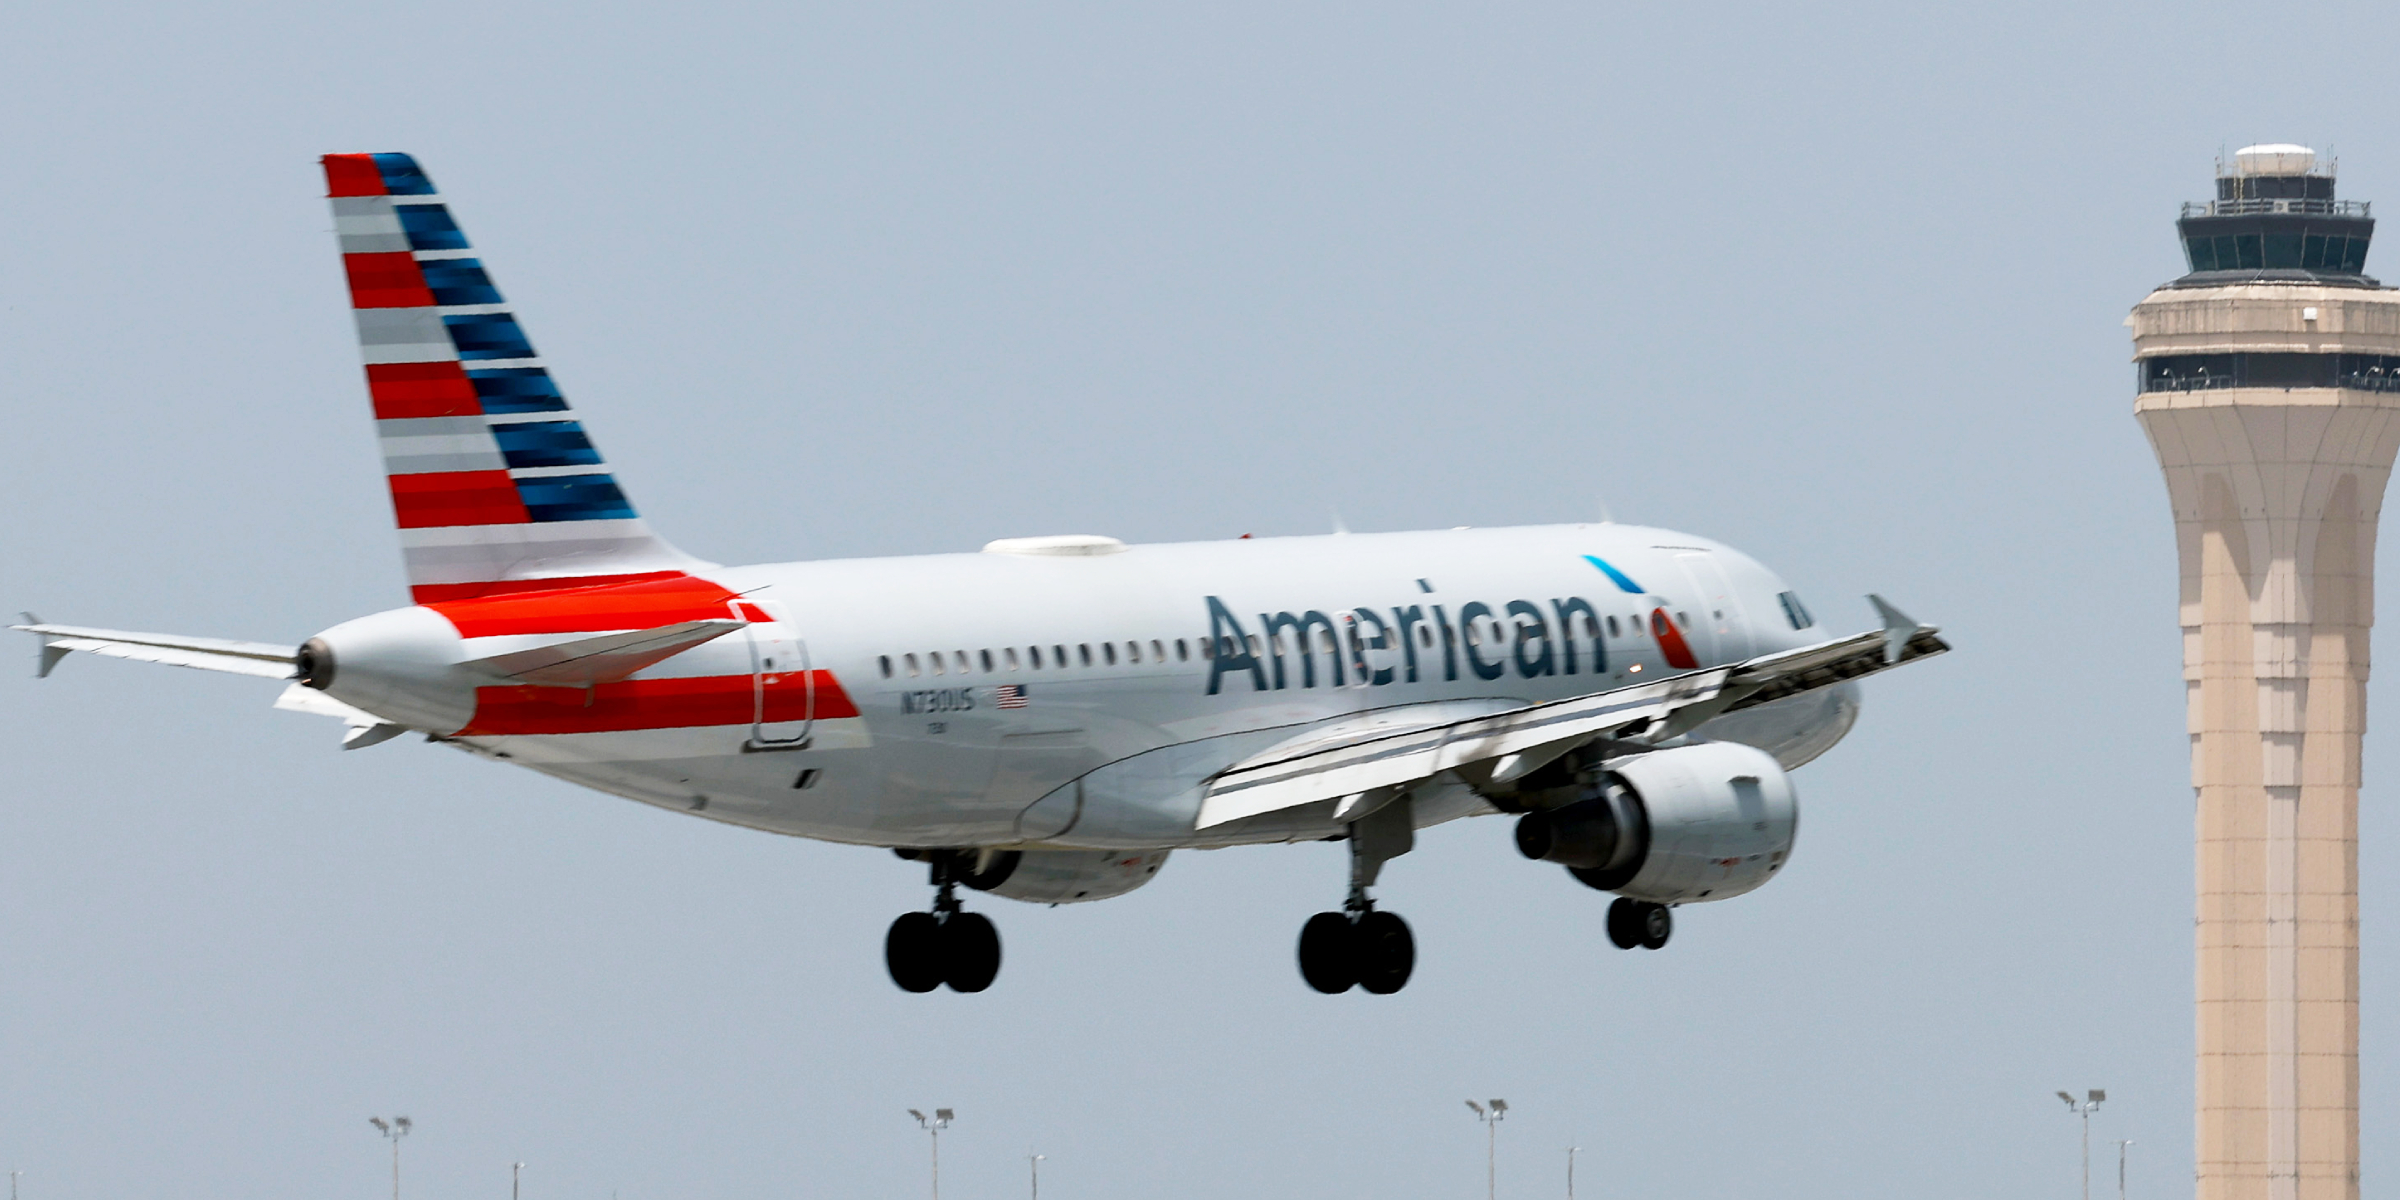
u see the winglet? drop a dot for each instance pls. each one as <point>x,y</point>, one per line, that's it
<point>1898,628</point>
<point>50,652</point>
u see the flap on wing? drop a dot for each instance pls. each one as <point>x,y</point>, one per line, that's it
<point>603,659</point>
<point>199,653</point>
<point>1305,771</point>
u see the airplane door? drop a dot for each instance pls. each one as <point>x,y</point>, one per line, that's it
<point>1719,620</point>
<point>783,691</point>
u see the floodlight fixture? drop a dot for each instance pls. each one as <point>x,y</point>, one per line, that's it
<point>1490,1116</point>
<point>932,1125</point>
<point>393,1130</point>
<point>2083,1109</point>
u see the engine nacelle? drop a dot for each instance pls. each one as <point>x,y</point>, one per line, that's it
<point>1068,876</point>
<point>1702,822</point>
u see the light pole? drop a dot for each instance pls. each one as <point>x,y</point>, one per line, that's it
<point>2121,1167</point>
<point>394,1129</point>
<point>2083,1108</point>
<point>934,1125</point>
<point>1035,1161</point>
<point>513,1168</point>
<point>1491,1144</point>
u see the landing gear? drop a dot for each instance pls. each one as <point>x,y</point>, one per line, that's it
<point>925,950</point>
<point>1360,946</point>
<point>1634,923</point>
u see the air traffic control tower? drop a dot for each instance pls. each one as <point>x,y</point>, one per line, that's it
<point>2270,387</point>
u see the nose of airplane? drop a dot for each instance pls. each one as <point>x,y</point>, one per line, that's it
<point>402,665</point>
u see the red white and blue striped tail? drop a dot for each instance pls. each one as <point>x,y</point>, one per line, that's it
<point>495,485</point>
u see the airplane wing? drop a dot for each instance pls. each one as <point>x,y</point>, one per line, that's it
<point>1517,742</point>
<point>205,654</point>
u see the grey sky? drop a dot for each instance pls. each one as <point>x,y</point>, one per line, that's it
<point>1842,289</point>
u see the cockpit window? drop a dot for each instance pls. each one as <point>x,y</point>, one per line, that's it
<point>1794,611</point>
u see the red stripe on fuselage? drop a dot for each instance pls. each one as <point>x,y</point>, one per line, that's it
<point>432,593</point>
<point>437,499</point>
<point>421,389</point>
<point>386,281</point>
<point>648,604</point>
<point>653,704</point>
<point>352,175</point>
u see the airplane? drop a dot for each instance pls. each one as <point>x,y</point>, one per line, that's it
<point>1047,719</point>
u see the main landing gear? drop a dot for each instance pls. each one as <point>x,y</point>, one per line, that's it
<point>1361,946</point>
<point>925,950</point>
<point>1634,923</point>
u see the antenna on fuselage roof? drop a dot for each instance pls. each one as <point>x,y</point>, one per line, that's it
<point>1606,517</point>
<point>1339,525</point>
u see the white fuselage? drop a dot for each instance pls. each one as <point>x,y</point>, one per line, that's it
<point>1125,707</point>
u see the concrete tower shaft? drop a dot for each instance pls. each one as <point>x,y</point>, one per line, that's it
<point>2271,393</point>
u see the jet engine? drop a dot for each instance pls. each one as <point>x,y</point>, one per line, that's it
<point>1702,822</point>
<point>1066,876</point>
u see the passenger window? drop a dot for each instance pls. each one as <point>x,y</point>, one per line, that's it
<point>934,660</point>
<point>1158,651</point>
<point>1033,654</point>
<point>1058,655</point>
<point>987,661</point>
<point>962,661</point>
<point>1183,650</point>
<point>1208,648</point>
<point>885,660</point>
<point>1012,658</point>
<point>1253,639</point>
<point>1133,652</point>
<point>1683,618</point>
<point>1425,636</point>
<point>1612,625</point>
<point>1474,634</point>
<point>1108,650</point>
<point>1084,649</point>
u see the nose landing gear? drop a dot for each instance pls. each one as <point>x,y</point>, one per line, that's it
<point>925,950</point>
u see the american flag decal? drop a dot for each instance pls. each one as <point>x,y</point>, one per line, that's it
<point>1010,695</point>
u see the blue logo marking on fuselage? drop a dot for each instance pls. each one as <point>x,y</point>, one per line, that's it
<point>1615,576</point>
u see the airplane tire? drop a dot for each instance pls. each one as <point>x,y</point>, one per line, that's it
<point>970,952</point>
<point>913,952</point>
<point>1658,924</point>
<point>1386,952</point>
<point>1623,924</point>
<point>1328,953</point>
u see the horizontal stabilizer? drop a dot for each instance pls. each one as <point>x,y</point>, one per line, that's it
<point>199,653</point>
<point>364,728</point>
<point>604,659</point>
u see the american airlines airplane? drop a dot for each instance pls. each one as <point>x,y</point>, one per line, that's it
<point>1634,697</point>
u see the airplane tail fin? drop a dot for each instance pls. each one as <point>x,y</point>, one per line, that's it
<point>494,484</point>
